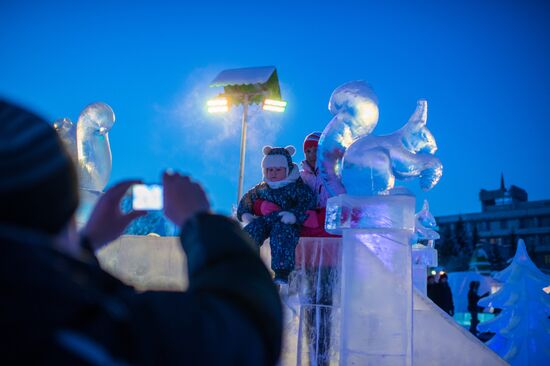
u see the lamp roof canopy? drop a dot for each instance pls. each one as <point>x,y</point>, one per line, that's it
<point>257,83</point>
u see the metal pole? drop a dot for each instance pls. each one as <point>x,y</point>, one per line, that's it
<point>243,148</point>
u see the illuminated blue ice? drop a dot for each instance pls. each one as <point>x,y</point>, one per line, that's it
<point>372,163</point>
<point>94,150</point>
<point>355,109</point>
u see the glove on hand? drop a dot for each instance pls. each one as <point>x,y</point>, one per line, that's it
<point>247,218</point>
<point>287,217</point>
<point>268,207</point>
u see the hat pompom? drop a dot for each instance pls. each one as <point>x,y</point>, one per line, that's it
<point>267,149</point>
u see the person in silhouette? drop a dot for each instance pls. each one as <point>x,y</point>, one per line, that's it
<point>444,295</point>
<point>473,308</point>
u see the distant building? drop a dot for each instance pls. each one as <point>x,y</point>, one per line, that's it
<point>506,216</point>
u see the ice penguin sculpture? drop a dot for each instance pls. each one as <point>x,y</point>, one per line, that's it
<point>88,145</point>
<point>376,219</point>
<point>94,150</point>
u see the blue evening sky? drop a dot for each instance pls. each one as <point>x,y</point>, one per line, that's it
<point>483,66</point>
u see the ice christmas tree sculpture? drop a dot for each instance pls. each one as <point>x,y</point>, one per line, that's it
<point>523,327</point>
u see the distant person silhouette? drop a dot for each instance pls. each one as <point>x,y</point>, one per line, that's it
<point>473,308</point>
<point>444,295</point>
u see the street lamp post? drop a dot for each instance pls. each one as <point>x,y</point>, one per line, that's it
<point>253,85</point>
<point>243,148</point>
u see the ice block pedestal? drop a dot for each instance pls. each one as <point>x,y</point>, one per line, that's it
<point>423,257</point>
<point>376,294</point>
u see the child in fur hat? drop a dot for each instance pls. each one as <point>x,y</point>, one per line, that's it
<point>276,208</point>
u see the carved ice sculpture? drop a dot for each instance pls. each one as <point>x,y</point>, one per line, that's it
<point>355,109</point>
<point>88,145</point>
<point>424,256</point>
<point>94,150</point>
<point>377,222</point>
<point>66,130</point>
<point>426,226</point>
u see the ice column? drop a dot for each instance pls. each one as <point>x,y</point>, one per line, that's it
<point>376,323</point>
<point>423,256</point>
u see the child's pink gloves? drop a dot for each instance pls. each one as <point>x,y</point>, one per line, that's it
<point>268,207</point>
<point>287,217</point>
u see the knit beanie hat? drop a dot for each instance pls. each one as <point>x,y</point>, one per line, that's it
<point>38,183</point>
<point>312,140</point>
<point>278,157</point>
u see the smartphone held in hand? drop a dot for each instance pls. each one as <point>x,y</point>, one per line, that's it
<point>147,197</point>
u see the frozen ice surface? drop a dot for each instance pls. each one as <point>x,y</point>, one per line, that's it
<point>376,325</point>
<point>66,130</point>
<point>350,212</point>
<point>146,262</point>
<point>422,257</point>
<point>88,199</point>
<point>87,143</point>
<point>355,109</point>
<point>371,164</point>
<point>153,263</point>
<point>94,151</point>
<point>426,226</point>
<point>352,160</point>
<point>522,328</point>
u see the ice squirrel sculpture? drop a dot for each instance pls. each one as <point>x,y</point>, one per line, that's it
<point>354,161</point>
<point>88,144</point>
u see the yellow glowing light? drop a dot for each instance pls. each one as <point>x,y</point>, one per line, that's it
<point>277,103</point>
<point>441,272</point>
<point>217,102</point>
<point>273,108</point>
<point>218,109</point>
<point>546,289</point>
<point>433,273</point>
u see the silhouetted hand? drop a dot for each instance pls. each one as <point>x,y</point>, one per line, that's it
<point>107,221</point>
<point>182,198</point>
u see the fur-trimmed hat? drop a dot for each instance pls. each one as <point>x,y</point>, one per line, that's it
<point>312,140</point>
<point>38,184</point>
<point>278,157</point>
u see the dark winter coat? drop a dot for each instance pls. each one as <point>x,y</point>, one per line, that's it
<point>473,299</point>
<point>444,297</point>
<point>61,311</point>
<point>295,197</point>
